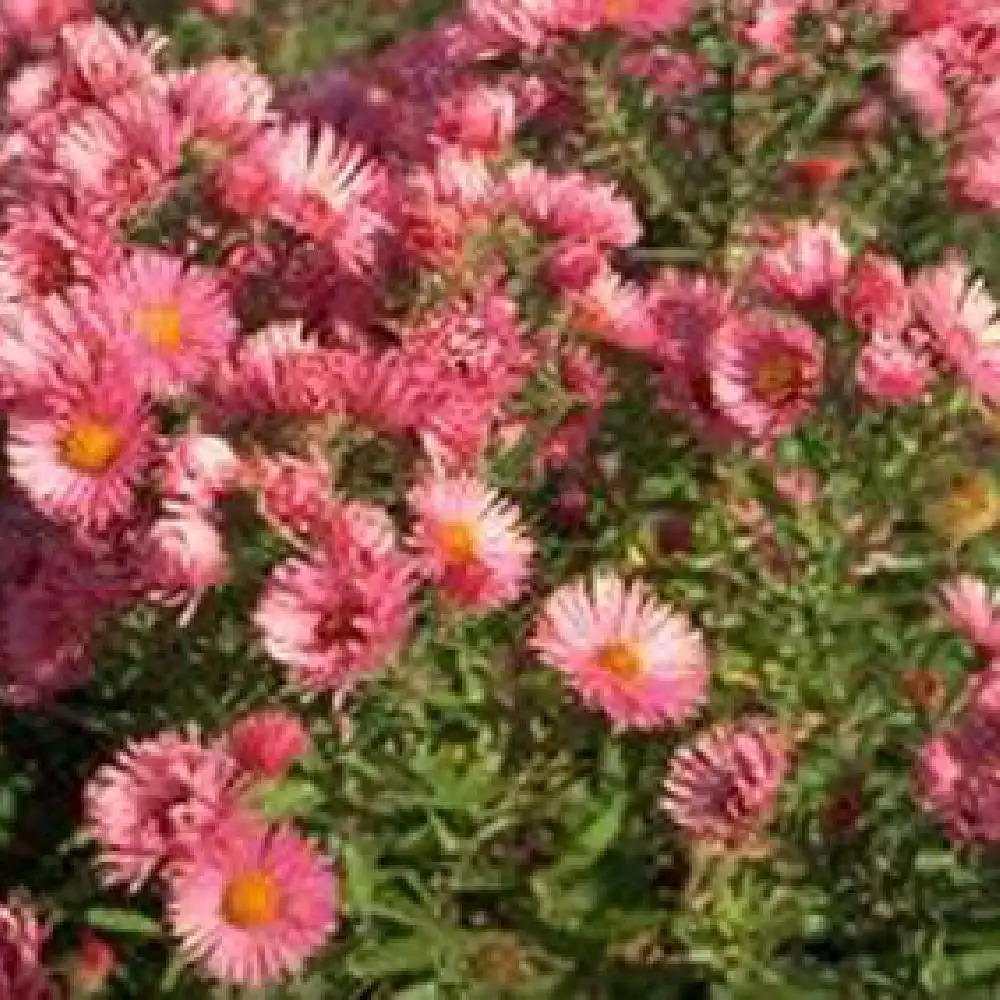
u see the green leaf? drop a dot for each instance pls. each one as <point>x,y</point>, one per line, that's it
<point>122,921</point>
<point>290,797</point>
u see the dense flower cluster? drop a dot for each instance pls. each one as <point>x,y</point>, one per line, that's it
<point>383,356</point>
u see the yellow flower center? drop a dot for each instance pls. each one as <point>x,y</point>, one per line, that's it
<point>252,899</point>
<point>777,379</point>
<point>161,326</point>
<point>458,542</point>
<point>91,446</point>
<point>622,659</point>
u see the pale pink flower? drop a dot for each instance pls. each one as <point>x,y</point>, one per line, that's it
<point>251,905</point>
<point>973,610</point>
<point>892,369</point>
<point>34,88</point>
<point>98,62</point>
<point>341,613</point>
<point>614,311</point>
<point>156,802</point>
<point>329,190</point>
<point>183,554</point>
<point>874,298</point>
<point>573,265</point>
<point>199,469</point>
<point>268,742</point>
<point>469,541</point>
<point>624,651</point>
<point>918,76</point>
<point>23,975</point>
<point>248,181</point>
<point>175,319</point>
<point>572,206</point>
<point>224,101</point>
<point>766,373</point>
<point>722,788</point>
<point>962,316</point>
<point>37,21</point>
<point>805,265</point>
<point>294,494</point>
<point>958,777</point>
<point>478,118</point>
<point>84,445</point>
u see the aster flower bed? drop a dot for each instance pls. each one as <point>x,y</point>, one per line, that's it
<point>499,499</point>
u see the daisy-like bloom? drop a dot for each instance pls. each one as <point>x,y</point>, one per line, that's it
<point>973,610</point>
<point>647,17</point>
<point>958,777</point>
<point>614,311</point>
<point>962,316</point>
<point>183,554</point>
<point>625,652</point>
<point>22,937</point>
<point>248,182</point>
<point>970,508</point>
<point>575,264</point>
<point>721,788</point>
<point>874,298</point>
<point>891,369</point>
<point>80,454</point>
<point>687,309</point>
<point>267,743</point>
<point>97,62</point>
<point>124,158</point>
<point>342,612</point>
<point>919,75</point>
<point>572,206</point>
<point>806,265</point>
<point>225,101</point>
<point>175,318</point>
<point>33,89</point>
<point>329,190</point>
<point>156,802</point>
<point>766,373</point>
<point>252,904</point>
<point>294,494</point>
<point>38,21</point>
<point>470,542</point>
<point>199,469</point>
<point>478,118</point>
<point>281,371</point>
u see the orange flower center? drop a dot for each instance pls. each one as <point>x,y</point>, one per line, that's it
<point>778,378</point>
<point>618,8</point>
<point>161,326</point>
<point>622,659</point>
<point>91,446</point>
<point>252,899</point>
<point>458,542</point>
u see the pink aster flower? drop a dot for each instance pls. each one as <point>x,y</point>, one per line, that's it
<point>766,373</point>
<point>957,777</point>
<point>892,369</point>
<point>37,21</point>
<point>248,181</point>
<point>805,265</point>
<point>874,298</point>
<point>156,802</point>
<point>624,651</point>
<point>329,190</point>
<point>199,469</point>
<point>572,206</point>
<point>183,554</point>
<point>919,76</point>
<point>225,101</point>
<point>294,494</point>
<point>973,610</point>
<point>33,89</point>
<point>266,743</point>
<point>251,905</point>
<point>22,937</point>
<point>470,542</point>
<point>98,62</point>
<point>617,312</point>
<point>962,317</point>
<point>80,454</point>
<point>478,118</point>
<point>343,611</point>
<point>722,787</point>
<point>175,318</point>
